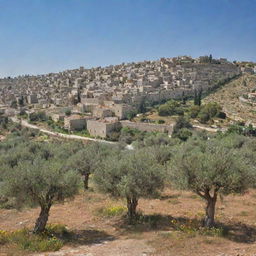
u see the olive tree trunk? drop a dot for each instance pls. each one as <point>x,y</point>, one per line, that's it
<point>132,203</point>
<point>209,213</point>
<point>42,219</point>
<point>86,180</point>
<point>210,206</point>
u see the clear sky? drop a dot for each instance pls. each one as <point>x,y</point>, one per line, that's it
<point>41,36</point>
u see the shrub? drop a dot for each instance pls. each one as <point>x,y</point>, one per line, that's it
<point>68,112</point>
<point>183,134</point>
<point>209,111</point>
<point>3,237</point>
<point>194,111</point>
<point>204,117</point>
<point>180,124</point>
<point>160,121</point>
<point>38,116</point>
<point>222,115</point>
<point>56,229</point>
<point>170,108</point>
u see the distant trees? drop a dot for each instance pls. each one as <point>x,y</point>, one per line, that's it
<point>38,116</point>
<point>206,112</point>
<point>198,96</point>
<point>131,114</point>
<point>208,169</point>
<point>131,175</point>
<point>170,108</point>
<point>21,101</point>
<point>208,59</point>
<point>14,104</point>
<point>181,129</point>
<point>68,112</point>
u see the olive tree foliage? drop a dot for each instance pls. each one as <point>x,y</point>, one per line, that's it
<point>154,140</point>
<point>130,175</point>
<point>38,177</point>
<point>87,160</point>
<point>208,168</point>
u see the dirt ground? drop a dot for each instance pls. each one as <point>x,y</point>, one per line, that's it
<point>98,235</point>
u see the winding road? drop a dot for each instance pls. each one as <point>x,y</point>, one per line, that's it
<point>24,123</point>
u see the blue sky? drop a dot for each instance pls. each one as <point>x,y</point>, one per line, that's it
<point>41,36</point>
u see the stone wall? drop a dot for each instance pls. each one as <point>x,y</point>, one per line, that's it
<point>147,127</point>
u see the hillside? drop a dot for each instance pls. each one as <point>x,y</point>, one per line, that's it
<point>228,98</point>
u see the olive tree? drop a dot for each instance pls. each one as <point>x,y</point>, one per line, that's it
<point>209,168</point>
<point>40,182</point>
<point>35,173</point>
<point>130,175</point>
<point>87,160</point>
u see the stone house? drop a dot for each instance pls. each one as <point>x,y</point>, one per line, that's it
<point>103,128</point>
<point>76,122</point>
<point>102,112</point>
<point>32,99</point>
<point>57,117</point>
<point>122,110</point>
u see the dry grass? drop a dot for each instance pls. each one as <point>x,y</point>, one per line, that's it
<point>169,225</point>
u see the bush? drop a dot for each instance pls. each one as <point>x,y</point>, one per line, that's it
<point>67,112</point>
<point>131,114</point>
<point>160,121</point>
<point>38,116</point>
<point>209,111</point>
<point>181,123</point>
<point>56,229</point>
<point>194,111</point>
<point>128,135</point>
<point>222,115</point>
<point>3,237</point>
<point>170,108</point>
<point>204,117</point>
<point>183,134</point>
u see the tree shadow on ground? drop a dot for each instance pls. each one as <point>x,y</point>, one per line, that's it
<point>87,237</point>
<point>234,231</point>
<point>239,232</point>
<point>167,196</point>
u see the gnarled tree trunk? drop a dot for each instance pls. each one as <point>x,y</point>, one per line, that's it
<point>210,212</point>
<point>132,203</point>
<point>210,205</point>
<point>210,208</point>
<point>42,219</point>
<point>86,180</point>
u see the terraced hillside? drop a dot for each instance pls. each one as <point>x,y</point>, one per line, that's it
<point>228,98</point>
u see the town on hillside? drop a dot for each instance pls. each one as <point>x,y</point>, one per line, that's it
<point>101,99</point>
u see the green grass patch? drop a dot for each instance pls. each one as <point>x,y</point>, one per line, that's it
<point>50,240</point>
<point>193,227</point>
<point>112,211</point>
